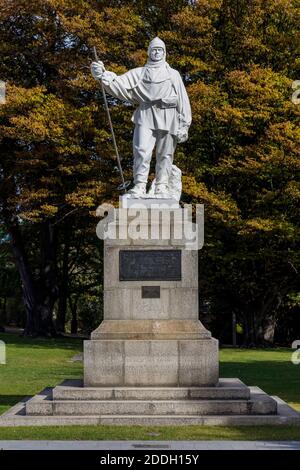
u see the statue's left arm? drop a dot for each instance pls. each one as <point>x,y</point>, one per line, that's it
<point>184,110</point>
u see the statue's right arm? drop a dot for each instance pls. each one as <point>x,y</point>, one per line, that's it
<point>115,85</point>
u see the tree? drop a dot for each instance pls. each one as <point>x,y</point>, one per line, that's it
<point>238,61</point>
<point>247,164</point>
<point>55,163</point>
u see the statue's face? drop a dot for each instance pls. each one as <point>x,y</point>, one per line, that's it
<point>157,53</point>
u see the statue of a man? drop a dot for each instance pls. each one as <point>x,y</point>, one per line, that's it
<point>162,118</point>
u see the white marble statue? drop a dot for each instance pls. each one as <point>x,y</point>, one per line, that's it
<point>162,118</point>
<point>174,185</point>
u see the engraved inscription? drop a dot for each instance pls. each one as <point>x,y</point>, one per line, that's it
<point>150,265</point>
<point>150,292</point>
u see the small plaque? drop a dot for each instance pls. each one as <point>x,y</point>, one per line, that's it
<point>150,265</point>
<point>150,292</point>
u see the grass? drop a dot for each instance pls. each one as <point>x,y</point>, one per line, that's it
<point>35,364</point>
<point>269,369</point>
<point>152,433</point>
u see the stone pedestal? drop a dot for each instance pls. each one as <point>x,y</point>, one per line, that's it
<point>151,361</point>
<point>150,335</point>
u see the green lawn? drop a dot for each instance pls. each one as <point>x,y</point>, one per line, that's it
<point>35,364</point>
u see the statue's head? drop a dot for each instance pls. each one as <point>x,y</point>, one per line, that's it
<point>157,50</point>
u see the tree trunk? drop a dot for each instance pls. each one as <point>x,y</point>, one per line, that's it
<point>63,287</point>
<point>74,322</point>
<point>249,328</point>
<point>28,288</point>
<point>38,297</point>
<point>48,286</point>
<point>233,329</point>
<point>269,329</point>
<point>62,307</point>
<point>3,313</point>
<point>269,306</point>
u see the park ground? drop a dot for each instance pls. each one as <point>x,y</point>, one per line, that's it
<point>35,364</point>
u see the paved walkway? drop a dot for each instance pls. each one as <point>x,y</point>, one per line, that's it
<point>150,445</point>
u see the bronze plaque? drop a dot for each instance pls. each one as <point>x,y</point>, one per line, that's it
<point>150,292</point>
<point>150,265</point>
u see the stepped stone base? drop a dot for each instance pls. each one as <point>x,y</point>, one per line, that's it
<point>230,402</point>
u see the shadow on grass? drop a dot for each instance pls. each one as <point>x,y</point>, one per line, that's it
<point>11,400</point>
<point>47,343</point>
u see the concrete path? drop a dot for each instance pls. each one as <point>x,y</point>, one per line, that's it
<point>150,445</point>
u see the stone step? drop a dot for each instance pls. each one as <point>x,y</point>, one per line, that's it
<point>151,420</point>
<point>89,394</point>
<point>232,389</point>
<point>42,415</point>
<point>261,405</point>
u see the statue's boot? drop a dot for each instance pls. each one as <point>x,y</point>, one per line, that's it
<point>139,189</point>
<point>162,190</point>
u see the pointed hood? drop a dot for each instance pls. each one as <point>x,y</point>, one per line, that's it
<point>156,42</point>
<point>155,80</point>
<point>156,71</point>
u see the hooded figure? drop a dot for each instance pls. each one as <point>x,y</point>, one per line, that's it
<point>162,118</point>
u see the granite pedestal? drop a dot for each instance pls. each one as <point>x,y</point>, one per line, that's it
<point>151,361</point>
<point>151,334</point>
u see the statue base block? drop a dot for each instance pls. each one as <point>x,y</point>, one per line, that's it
<point>151,353</point>
<point>154,363</point>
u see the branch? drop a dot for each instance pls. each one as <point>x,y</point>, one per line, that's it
<point>66,215</point>
<point>293,267</point>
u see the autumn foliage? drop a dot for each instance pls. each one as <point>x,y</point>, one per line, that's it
<point>238,60</point>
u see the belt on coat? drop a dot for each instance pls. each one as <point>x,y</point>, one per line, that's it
<point>164,103</point>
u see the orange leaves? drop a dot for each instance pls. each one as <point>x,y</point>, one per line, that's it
<point>27,129</point>
<point>87,194</point>
<point>20,99</point>
<point>236,119</point>
<point>259,86</point>
<point>204,98</point>
<point>105,28</point>
<point>285,135</point>
<point>192,23</point>
<point>259,224</point>
<point>121,22</point>
<point>292,191</point>
<point>32,115</point>
<point>219,205</point>
<point>48,210</point>
<point>37,195</point>
<point>269,227</point>
<point>34,204</point>
<point>236,59</point>
<point>138,57</point>
<point>80,199</point>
